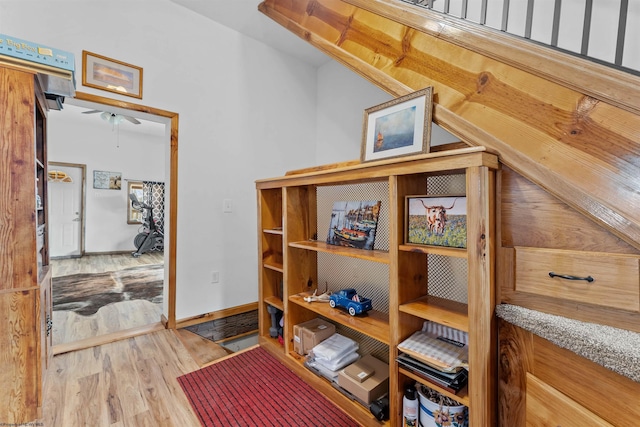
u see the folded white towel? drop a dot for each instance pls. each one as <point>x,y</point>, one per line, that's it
<point>334,347</point>
<point>341,362</point>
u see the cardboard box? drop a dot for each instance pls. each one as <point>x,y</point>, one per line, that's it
<point>307,335</point>
<point>372,388</point>
<point>359,371</point>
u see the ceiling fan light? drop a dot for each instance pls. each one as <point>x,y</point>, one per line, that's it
<point>114,119</point>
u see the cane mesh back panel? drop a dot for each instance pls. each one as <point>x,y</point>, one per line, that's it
<point>370,279</point>
<point>446,185</point>
<point>447,275</point>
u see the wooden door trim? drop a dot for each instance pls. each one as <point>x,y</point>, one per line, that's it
<point>173,186</point>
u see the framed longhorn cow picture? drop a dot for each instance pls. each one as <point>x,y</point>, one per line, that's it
<point>436,220</point>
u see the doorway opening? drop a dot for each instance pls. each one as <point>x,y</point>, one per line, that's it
<point>80,247</point>
<point>66,190</point>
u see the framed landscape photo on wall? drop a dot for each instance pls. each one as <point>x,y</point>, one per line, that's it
<point>111,75</point>
<point>134,216</point>
<point>436,220</point>
<point>399,127</point>
<point>104,180</point>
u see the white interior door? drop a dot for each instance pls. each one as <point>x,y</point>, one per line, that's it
<point>65,213</point>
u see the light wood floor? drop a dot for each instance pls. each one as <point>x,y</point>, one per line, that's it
<point>128,382</point>
<point>69,327</point>
<point>102,263</point>
<point>125,383</point>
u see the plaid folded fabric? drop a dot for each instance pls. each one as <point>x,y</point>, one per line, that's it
<point>435,330</point>
<point>436,352</point>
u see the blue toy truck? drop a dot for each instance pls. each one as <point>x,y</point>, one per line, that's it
<point>349,299</point>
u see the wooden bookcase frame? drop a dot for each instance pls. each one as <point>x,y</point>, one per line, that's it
<point>288,267</point>
<point>25,275</point>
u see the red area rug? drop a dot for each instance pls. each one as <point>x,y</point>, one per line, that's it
<point>254,389</point>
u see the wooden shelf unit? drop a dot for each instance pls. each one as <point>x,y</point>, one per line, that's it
<point>25,276</point>
<point>290,202</point>
<point>271,260</point>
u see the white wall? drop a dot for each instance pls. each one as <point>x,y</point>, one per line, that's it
<point>342,98</point>
<point>136,151</point>
<point>246,112</point>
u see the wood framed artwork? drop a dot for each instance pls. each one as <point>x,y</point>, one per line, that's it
<point>103,180</point>
<point>134,216</point>
<point>436,220</point>
<point>111,75</point>
<point>354,223</point>
<point>399,127</point>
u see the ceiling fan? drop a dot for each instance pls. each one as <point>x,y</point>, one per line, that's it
<point>113,118</point>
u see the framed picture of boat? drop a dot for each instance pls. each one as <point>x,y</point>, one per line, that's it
<point>399,127</point>
<point>436,220</point>
<point>354,223</point>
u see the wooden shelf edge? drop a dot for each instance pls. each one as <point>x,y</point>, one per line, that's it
<point>274,266</point>
<point>275,302</point>
<point>440,310</point>
<point>317,246</point>
<point>272,346</point>
<point>45,274</point>
<point>470,156</point>
<point>374,324</point>
<point>434,250</point>
<point>277,231</point>
<point>462,396</point>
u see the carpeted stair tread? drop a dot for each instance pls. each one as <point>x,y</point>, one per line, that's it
<point>615,349</point>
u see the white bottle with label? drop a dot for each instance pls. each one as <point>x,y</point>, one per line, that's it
<point>410,407</point>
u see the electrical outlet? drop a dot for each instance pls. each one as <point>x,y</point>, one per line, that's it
<point>215,276</point>
<point>227,206</point>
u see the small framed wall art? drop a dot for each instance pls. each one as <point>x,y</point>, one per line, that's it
<point>104,180</point>
<point>108,74</point>
<point>134,216</point>
<point>399,127</point>
<point>354,223</point>
<point>436,220</point>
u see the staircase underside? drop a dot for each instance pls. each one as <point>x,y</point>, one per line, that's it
<point>569,126</point>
